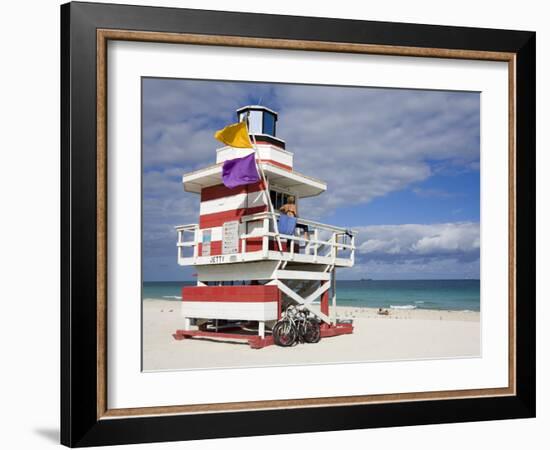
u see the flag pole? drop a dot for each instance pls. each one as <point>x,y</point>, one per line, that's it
<point>268,197</point>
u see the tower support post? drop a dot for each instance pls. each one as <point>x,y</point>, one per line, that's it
<point>324,300</point>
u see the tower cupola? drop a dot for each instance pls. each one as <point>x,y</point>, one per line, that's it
<point>262,123</point>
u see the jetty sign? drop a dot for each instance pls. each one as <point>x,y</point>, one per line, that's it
<point>230,237</point>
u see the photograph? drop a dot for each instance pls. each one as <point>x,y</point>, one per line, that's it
<point>303,224</point>
<point>285,222</point>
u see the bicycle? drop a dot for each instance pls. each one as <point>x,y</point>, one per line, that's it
<point>296,326</point>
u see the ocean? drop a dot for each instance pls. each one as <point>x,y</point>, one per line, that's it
<point>456,295</point>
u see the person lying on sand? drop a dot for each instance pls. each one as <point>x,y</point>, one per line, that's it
<point>383,312</point>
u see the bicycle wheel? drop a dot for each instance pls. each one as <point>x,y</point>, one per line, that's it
<point>312,332</point>
<point>284,333</point>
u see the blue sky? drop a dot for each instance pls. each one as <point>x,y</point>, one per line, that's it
<point>402,168</point>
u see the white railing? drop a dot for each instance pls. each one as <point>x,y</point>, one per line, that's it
<point>327,244</point>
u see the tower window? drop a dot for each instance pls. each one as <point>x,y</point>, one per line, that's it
<point>278,199</point>
<point>268,124</point>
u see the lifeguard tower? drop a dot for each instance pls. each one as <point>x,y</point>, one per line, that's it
<point>247,272</point>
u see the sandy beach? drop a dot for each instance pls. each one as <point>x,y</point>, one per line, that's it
<point>403,334</point>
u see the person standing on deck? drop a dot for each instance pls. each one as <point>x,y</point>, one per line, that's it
<point>290,209</point>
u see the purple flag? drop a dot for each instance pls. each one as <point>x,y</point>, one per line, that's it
<point>240,171</point>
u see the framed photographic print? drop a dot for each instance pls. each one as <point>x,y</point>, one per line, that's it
<point>277,224</point>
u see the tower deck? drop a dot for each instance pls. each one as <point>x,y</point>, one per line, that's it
<point>327,245</point>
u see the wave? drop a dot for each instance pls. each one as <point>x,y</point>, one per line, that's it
<point>402,306</point>
<point>175,297</point>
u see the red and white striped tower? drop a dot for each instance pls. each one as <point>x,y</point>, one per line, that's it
<point>243,275</point>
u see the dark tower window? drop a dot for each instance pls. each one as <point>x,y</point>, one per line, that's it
<point>278,199</point>
<point>268,124</point>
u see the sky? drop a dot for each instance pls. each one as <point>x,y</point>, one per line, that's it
<point>402,168</point>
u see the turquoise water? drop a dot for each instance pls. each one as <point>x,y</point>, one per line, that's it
<point>398,294</point>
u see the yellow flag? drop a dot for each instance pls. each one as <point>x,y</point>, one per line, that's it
<point>235,135</point>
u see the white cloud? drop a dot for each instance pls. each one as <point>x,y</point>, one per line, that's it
<point>180,117</point>
<point>446,250</point>
<point>365,143</point>
<point>443,268</point>
<point>165,205</point>
<point>414,241</point>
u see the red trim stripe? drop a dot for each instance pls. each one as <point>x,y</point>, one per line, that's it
<point>270,143</point>
<point>236,294</point>
<point>324,301</point>
<point>215,248</point>
<point>218,219</point>
<point>221,191</point>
